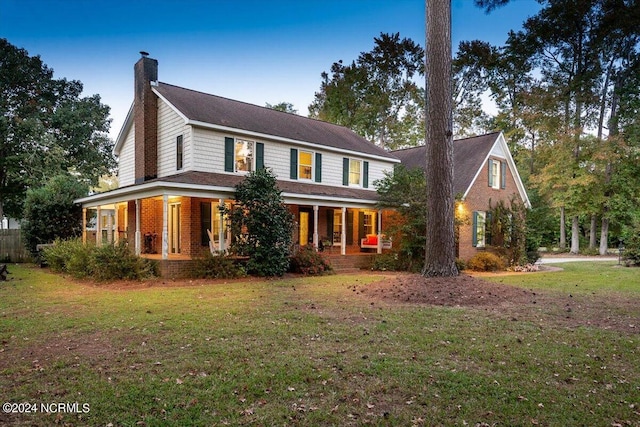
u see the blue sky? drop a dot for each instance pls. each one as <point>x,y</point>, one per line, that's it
<point>255,51</point>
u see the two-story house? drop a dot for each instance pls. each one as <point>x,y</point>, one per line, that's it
<point>484,173</point>
<point>181,152</point>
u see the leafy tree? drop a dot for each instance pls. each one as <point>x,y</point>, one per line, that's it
<point>50,213</point>
<point>404,190</point>
<point>46,129</point>
<point>440,258</point>
<point>376,95</point>
<point>285,107</point>
<point>262,223</point>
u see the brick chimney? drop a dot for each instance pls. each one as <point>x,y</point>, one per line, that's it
<point>145,119</point>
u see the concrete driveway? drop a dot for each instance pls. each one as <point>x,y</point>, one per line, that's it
<point>555,259</point>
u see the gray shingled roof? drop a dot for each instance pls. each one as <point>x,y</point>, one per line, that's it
<point>216,110</point>
<point>468,155</point>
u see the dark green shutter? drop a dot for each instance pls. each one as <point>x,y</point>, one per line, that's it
<point>503,171</point>
<point>205,222</point>
<point>474,230</point>
<point>293,165</point>
<point>349,227</point>
<point>365,175</point>
<point>259,155</point>
<point>228,154</point>
<point>330,224</point>
<point>488,226</point>
<point>490,173</point>
<point>318,167</point>
<point>345,171</point>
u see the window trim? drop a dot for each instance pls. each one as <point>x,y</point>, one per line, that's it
<point>479,235</point>
<point>312,166</point>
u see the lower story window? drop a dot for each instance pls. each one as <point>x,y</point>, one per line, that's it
<point>479,229</point>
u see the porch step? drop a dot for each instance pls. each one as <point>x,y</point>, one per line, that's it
<point>349,263</point>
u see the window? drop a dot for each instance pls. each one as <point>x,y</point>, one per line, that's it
<point>497,174</point>
<point>355,174</point>
<point>337,227</point>
<point>179,152</point>
<point>369,220</point>
<point>479,229</point>
<point>305,165</point>
<point>243,155</point>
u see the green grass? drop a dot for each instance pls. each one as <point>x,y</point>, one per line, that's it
<point>306,352</point>
<point>579,277</point>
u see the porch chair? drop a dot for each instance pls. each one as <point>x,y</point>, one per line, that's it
<point>213,246</point>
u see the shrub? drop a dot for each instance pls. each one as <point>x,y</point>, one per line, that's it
<point>115,262</point>
<point>386,262</point>
<point>461,265</point>
<point>108,262</point>
<point>485,261</point>
<point>631,254</point>
<point>307,260</point>
<point>217,267</point>
<point>67,256</point>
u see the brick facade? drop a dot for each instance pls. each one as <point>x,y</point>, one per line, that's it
<point>145,117</point>
<point>478,199</point>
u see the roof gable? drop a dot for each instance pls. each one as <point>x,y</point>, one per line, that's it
<point>469,156</point>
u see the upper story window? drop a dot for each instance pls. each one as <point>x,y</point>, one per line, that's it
<point>179,152</point>
<point>355,172</point>
<point>305,165</point>
<point>497,174</point>
<point>241,155</point>
<point>244,155</point>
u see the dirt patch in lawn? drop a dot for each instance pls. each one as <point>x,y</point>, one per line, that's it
<point>612,311</point>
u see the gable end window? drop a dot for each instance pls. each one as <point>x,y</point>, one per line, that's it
<point>497,174</point>
<point>179,152</point>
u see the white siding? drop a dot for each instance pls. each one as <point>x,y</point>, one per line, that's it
<point>126,160</point>
<point>170,125</point>
<point>208,156</point>
<point>208,150</point>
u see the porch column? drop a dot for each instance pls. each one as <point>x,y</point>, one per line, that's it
<point>221,230</point>
<point>109,228</point>
<point>343,237</point>
<point>315,226</point>
<point>98,226</point>
<point>165,226</point>
<point>84,226</point>
<point>116,236</point>
<point>137,233</point>
<point>379,248</point>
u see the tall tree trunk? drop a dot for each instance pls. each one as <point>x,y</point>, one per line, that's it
<point>604,235</point>
<point>575,235</point>
<point>563,230</point>
<point>592,232</point>
<point>440,247</point>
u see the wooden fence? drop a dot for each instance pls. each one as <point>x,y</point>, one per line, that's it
<point>11,247</point>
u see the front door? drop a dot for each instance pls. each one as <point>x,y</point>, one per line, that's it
<point>305,222</point>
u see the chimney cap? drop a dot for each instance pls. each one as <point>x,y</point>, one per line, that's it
<point>144,54</point>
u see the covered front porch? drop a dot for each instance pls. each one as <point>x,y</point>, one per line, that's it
<point>179,227</point>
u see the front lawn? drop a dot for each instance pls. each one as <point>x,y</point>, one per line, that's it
<point>309,352</point>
